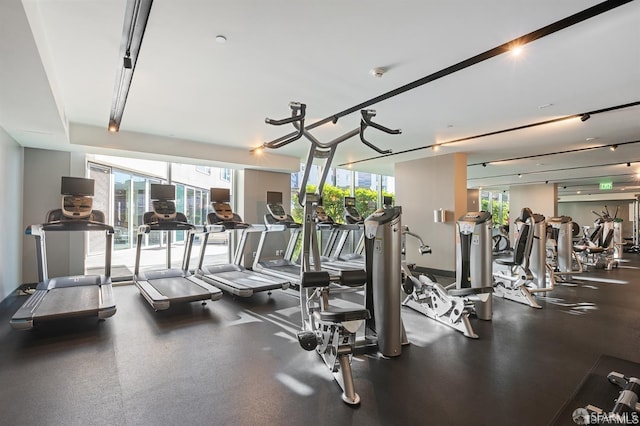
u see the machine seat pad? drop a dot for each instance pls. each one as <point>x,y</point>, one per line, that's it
<point>315,279</point>
<point>353,278</point>
<point>506,262</point>
<point>469,291</point>
<point>342,315</point>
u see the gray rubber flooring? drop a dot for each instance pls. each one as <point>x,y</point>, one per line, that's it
<point>237,362</point>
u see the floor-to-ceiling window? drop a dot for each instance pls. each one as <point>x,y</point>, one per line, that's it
<point>124,195</point>
<point>498,204</point>
<point>368,189</point>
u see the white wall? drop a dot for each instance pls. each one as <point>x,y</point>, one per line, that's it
<point>542,199</point>
<point>43,170</point>
<point>11,163</point>
<point>422,186</point>
<point>251,196</point>
<point>473,200</point>
<point>581,213</point>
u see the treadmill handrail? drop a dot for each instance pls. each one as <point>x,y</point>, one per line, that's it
<point>214,229</point>
<point>275,227</point>
<point>69,225</point>
<point>168,225</point>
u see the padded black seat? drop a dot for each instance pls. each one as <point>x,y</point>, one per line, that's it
<point>353,278</point>
<point>315,279</point>
<point>469,291</point>
<point>342,315</point>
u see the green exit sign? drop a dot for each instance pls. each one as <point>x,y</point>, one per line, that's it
<point>606,185</point>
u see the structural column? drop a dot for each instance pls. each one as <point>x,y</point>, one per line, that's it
<point>423,186</point>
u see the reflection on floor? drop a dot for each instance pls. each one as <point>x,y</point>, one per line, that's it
<point>237,362</point>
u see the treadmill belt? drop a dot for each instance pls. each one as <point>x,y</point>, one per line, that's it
<point>293,270</point>
<point>177,288</point>
<point>68,302</point>
<point>245,280</point>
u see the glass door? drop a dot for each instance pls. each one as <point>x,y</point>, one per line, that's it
<point>121,210</point>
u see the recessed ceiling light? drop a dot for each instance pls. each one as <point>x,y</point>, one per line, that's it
<point>516,50</point>
<point>545,106</point>
<point>221,39</point>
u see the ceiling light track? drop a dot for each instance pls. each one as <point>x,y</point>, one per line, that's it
<point>554,27</point>
<point>557,170</point>
<point>135,23</point>
<point>561,186</point>
<point>548,154</point>
<point>498,132</point>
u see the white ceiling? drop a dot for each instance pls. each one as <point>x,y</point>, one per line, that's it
<point>60,59</point>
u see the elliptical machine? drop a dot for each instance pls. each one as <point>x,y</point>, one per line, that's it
<point>328,330</point>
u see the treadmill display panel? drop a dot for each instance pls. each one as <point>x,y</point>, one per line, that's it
<point>77,207</point>
<point>220,195</point>
<point>223,211</point>
<point>274,197</point>
<point>277,211</point>
<point>162,192</point>
<point>164,209</point>
<point>77,186</point>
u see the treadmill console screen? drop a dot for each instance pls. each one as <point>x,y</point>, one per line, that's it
<point>164,209</point>
<point>353,213</point>
<point>387,201</point>
<point>274,197</point>
<point>219,195</point>
<point>223,211</point>
<point>349,201</point>
<point>277,211</point>
<point>77,207</point>
<point>321,215</point>
<point>163,192</point>
<point>77,186</point>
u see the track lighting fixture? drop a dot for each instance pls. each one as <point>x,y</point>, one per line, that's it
<point>585,117</point>
<point>519,175</point>
<point>613,147</point>
<point>135,22</point>
<point>435,147</point>
<point>484,164</point>
<point>628,164</point>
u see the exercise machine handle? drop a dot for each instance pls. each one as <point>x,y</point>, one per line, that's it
<point>365,122</point>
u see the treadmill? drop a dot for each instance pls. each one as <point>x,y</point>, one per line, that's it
<point>163,287</point>
<point>232,277</point>
<point>72,296</point>
<point>277,220</point>
<point>354,222</point>
<point>324,223</point>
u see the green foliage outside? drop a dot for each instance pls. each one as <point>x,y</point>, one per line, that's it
<point>497,219</point>
<point>333,201</point>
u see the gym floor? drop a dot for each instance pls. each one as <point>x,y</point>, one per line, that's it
<point>237,362</point>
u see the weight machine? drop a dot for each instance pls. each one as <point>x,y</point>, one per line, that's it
<point>329,330</point>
